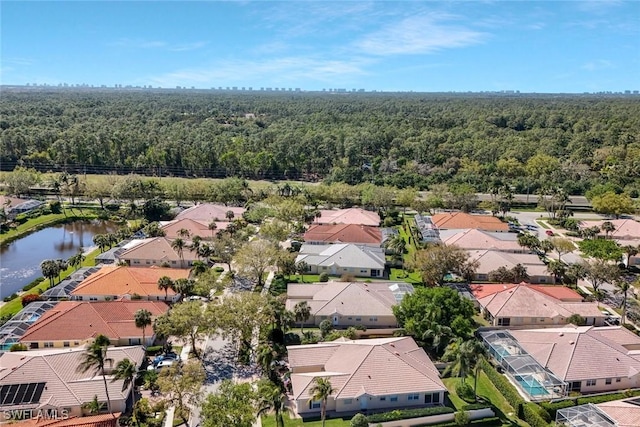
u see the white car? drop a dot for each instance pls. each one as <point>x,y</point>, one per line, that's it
<point>164,364</point>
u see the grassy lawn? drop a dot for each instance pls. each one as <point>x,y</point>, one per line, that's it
<point>543,224</point>
<point>44,221</point>
<point>15,305</point>
<point>270,421</point>
<point>398,274</point>
<point>487,391</point>
<point>308,278</point>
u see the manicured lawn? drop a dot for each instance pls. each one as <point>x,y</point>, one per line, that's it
<point>309,278</point>
<point>270,421</point>
<point>15,305</point>
<point>543,224</point>
<point>398,274</point>
<point>487,391</point>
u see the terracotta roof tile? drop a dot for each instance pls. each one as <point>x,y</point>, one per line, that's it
<point>79,321</point>
<point>159,249</point>
<point>209,212</point>
<point>460,220</point>
<point>349,216</point>
<point>122,281</point>
<point>344,233</point>
<point>472,239</point>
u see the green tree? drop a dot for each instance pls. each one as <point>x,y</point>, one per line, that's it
<point>439,336</point>
<point>598,272</point>
<point>302,312</point>
<point>76,260</point>
<point>614,204</point>
<point>302,267</point>
<point>94,360</point>
<point>562,246</point>
<point>271,398</point>
<point>623,287</point>
<point>20,180</point>
<point>164,284</point>
<point>188,321</point>
<point>464,355</point>
<point>142,319</point>
<point>50,270</point>
<point>181,383</point>
<point>254,258</point>
<point>435,262</point>
<point>178,245</point>
<point>602,249</point>
<point>126,371</point>
<point>320,390</point>
<point>359,420</point>
<point>233,405</point>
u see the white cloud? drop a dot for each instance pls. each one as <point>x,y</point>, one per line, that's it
<point>288,70</point>
<point>598,64</point>
<point>419,35</point>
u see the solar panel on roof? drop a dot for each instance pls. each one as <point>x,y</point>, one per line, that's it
<point>20,394</point>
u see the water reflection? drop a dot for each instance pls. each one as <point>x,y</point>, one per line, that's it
<point>20,261</point>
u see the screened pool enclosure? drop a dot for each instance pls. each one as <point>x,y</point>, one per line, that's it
<point>536,382</point>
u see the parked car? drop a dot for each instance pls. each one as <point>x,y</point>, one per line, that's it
<point>166,356</point>
<point>549,233</point>
<point>165,364</point>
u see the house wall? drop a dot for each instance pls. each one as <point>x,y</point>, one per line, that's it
<point>359,319</point>
<point>133,262</point>
<point>602,386</point>
<point>169,298</point>
<point>34,345</point>
<point>367,402</point>
<point>339,271</point>
<point>542,321</point>
<point>484,276</point>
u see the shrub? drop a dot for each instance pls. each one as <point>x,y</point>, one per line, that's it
<point>403,414</point>
<point>291,338</point>
<point>465,392</point>
<point>502,384</point>
<point>218,269</point>
<point>29,298</point>
<point>325,327</point>
<point>153,350</point>
<point>359,420</point>
<point>324,277</point>
<point>33,284</point>
<point>18,347</point>
<point>461,418</point>
<point>347,278</point>
<point>10,297</point>
<point>534,415</point>
<point>55,207</point>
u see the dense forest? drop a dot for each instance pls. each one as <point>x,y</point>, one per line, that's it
<point>527,143</point>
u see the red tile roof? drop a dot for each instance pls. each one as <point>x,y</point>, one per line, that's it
<point>344,233</point>
<point>560,293</point>
<point>461,220</point>
<point>349,216</point>
<point>79,321</point>
<point>121,280</point>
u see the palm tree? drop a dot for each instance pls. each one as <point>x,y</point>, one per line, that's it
<point>126,370</point>
<point>212,227</point>
<point>529,241</point>
<point>630,251</point>
<point>184,287</point>
<point>95,359</point>
<point>266,355</point>
<point>271,398</point>
<point>464,356</point>
<point>62,266</point>
<point>575,272</point>
<point>622,288</point>
<point>178,246</point>
<point>76,260</point>
<point>205,251</point>
<point>142,318</point>
<point>558,269</point>
<point>229,215</point>
<point>164,284</point>
<point>520,273</point>
<point>396,245</point>
<point>198,267</point>
<point>321,390</point>
<point>49,269</point>
<point>302,312</point>
<point>439,336</point>
<point>195,244</point>
<point>301,268</point>
<point>101,241</point>
<point>608,228</point>
<point>184,233</point>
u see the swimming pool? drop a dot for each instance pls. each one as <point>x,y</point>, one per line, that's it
<point>531,386</point>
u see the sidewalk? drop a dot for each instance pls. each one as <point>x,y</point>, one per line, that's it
<point>168,419</point>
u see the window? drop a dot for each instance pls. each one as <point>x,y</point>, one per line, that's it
<point>383,398</point>
<point>79,298</point>
<point>93,298</point>
<point>48,344</point>
<point>576,385</point>
<point>348,401</point>
<point>618,380</point>
<point>363,271</point>
<point>414,397</point>
<point>373,319</point>
<point>393,398</point>
<point>136,261</point>
<point>591,383</point>
<point>148,262</point>
<point>76,343</point>
<point>607,381</point>
<point>542,319</point>
<point>315,405</point>
<point>65,344</point>
<point>427,398</point>
<point>33,345</point>
<point>436,398</point>
<point>350,318</point>
<point>375,273</point>
<point>504,321</point>
<point>174,262</point>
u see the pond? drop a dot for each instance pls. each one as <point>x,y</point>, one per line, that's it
<point>20,260</point>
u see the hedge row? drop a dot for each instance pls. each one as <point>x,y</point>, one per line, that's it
<point>534,415</point>
<point>502,384</point>
<point>403,414</point>
<point>485,422</point>
<point>554,407</point>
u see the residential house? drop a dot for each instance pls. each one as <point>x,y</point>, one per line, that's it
<point>62,290</point>
<point>76,323</point>
<point>489,261</point>
<point>472,239</point>
<point>462,220</point>
<point>320,234</point>
<point>12,330</point>
<point>373,374</point>
<point>157,251</point>
<point>194,227</point>
<point>208,212</point>
<point>48,380</point>
<point>350,303</point>
<point>15,205</point>
<point>115,282</point>
<point>626,233</point>
<point>616,413</point>
<point>588,359</point>
<point>429,233</point>
<point>533,306</point>
<point>343,258</point>
<point>349,216</point>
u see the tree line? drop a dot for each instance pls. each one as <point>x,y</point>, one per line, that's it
<point>402,140</point>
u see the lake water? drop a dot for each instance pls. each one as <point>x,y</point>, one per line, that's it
<point>20,260</point>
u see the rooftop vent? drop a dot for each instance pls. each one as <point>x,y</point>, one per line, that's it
<point>572,342</point>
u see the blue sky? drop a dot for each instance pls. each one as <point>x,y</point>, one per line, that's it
<point>535,46</point>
